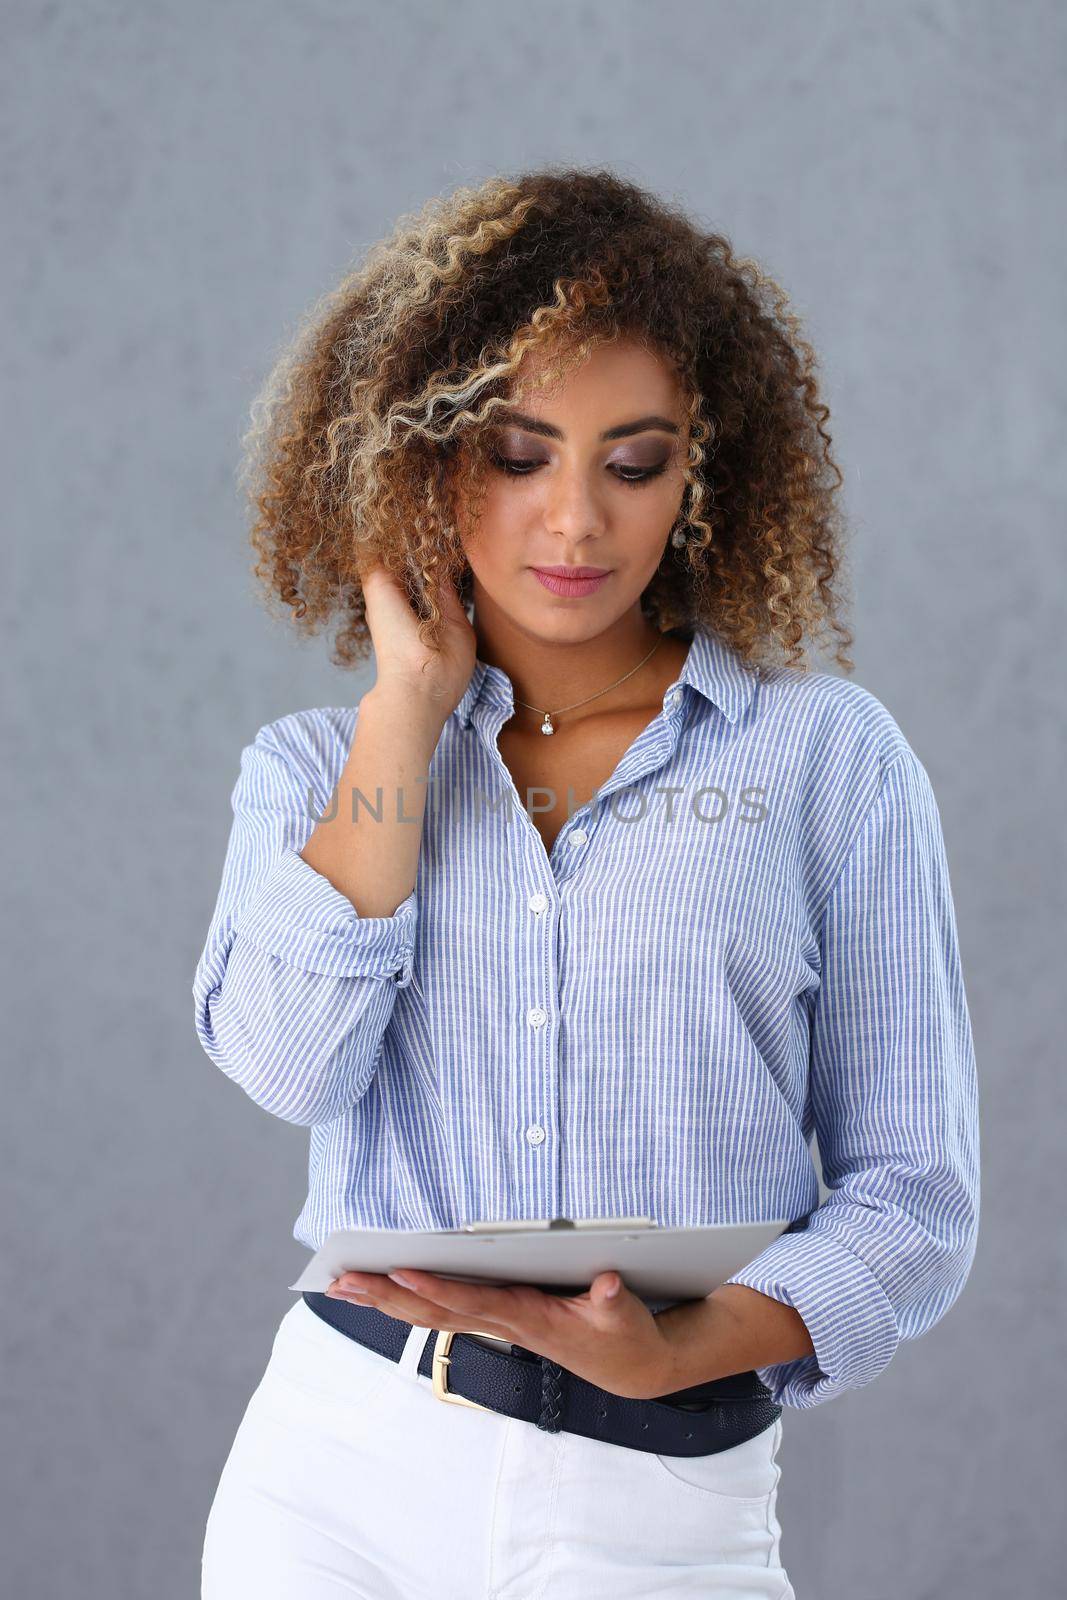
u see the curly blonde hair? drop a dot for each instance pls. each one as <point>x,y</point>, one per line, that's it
<point>369,439</point>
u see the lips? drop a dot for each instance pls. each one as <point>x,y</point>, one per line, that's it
<point>575,572</point>
<point>571,581</point>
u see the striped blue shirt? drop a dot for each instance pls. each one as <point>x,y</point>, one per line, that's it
<point>746,937</point>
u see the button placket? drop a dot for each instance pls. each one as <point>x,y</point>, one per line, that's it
<point>538,1018</point>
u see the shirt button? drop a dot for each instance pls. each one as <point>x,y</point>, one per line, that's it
<point>579,836</point>
<point>536,1017</point>
<point>535,1133</point>
<point>672,697</point>
<point>538,902</point>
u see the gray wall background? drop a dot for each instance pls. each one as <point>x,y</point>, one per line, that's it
<point>180,180</point>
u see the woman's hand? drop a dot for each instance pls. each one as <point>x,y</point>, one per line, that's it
<point>399,653</point>
<point>607,1336</point>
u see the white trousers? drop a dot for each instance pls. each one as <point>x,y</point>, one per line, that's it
<point>348,1477</point>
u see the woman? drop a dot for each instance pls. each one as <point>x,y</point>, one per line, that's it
<point>599,903</point>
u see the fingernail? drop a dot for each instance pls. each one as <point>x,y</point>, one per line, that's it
<point>405,1283</point>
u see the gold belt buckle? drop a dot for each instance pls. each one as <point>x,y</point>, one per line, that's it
<point>441,1358</point>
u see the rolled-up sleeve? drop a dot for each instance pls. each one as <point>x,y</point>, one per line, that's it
<point>894,1094</point>
<point>294,989</point>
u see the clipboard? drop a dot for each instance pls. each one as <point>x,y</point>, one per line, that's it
<point>561,1255</point>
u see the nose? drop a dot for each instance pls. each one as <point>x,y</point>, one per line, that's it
<point>573,510</point>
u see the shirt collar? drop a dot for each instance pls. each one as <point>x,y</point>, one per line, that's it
<point>712,667</point>
<point>719,673</point>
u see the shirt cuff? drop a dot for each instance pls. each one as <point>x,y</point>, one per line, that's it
<point>842,1304</point>
<point>296,914</point>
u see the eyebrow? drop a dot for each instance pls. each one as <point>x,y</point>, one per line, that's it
<point>519,419</point>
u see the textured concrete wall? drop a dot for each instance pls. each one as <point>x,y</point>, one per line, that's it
<point>180,180</point>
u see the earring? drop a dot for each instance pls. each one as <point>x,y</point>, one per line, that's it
<point>680,534</point>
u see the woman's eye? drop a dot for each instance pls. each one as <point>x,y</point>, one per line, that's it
<point>638,475</point>
<point>513,464</point>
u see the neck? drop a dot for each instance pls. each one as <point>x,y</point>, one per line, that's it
<point>549,673</point>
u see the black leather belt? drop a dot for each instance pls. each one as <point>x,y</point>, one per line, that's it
<point>698,1421</point>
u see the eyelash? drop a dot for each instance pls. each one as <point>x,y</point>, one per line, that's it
<point>514,468</point>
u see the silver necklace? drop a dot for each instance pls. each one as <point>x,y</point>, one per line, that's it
<point>546,726</point>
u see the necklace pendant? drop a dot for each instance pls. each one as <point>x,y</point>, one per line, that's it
<point>546,726</point>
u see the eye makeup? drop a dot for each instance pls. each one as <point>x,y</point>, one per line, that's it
<point>634,474</point>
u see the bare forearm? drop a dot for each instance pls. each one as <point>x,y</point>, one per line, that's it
<point>368,848</point>
<point>733,1329</point>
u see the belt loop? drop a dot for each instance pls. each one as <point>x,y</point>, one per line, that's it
<point>550,1419</point>
<point>414,1344</point>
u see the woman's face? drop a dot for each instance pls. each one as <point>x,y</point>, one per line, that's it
<point>587,475</point>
